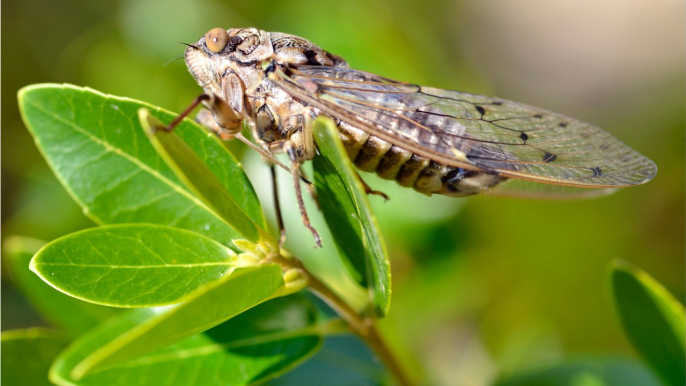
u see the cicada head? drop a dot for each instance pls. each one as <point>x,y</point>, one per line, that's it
<point>212,55</point>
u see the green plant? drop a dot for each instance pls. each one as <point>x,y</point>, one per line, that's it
<point>182,241</point>
<point>181,228</point>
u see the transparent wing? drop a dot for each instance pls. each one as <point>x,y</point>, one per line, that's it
<point>471,131</point>
<point>515,188</point>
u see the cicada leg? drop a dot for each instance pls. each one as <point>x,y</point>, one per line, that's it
<point>225,118</point>
<point>277,206</point>
<point>289,148</point>
<point>368,189</point>
<point>309,148</point>
<point>310,188</point>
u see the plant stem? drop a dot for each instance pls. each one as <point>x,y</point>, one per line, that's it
<point>363,327</point>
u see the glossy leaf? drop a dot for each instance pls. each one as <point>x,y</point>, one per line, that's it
<point>347,212</point>
<point>27,355</point>
<point>200,180</point>
<point>95,146</point>
<point>256,345</point>
<point>153,329</point>
<point>132,265</point>
<point>653,320</point>
<point>591,372</point>
<point>69,314</point>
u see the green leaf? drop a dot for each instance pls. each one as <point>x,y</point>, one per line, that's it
<point>653,320</point>
<point>190,169</point>
<point>94,144</point>
<point>591,372</point>
<point>347,212</point>
<point>72,315</point>
<point>132,265</point>
<point>256,345</point>
<point>148,330</point>
<point>28,354</point>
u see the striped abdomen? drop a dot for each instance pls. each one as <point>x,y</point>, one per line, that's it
<point>372,154</point>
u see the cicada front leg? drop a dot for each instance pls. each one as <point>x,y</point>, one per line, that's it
<point>227,123</point>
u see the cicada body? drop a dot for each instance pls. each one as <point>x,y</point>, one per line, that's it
<point>436,141</point>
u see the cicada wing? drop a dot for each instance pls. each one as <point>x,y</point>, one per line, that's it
<point>471,131</point>
<point>514,188</point>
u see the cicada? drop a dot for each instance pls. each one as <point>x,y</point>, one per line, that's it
<point>435,141</point>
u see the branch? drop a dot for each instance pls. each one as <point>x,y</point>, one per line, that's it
<point>364,327</point>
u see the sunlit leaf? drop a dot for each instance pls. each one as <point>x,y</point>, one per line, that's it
<point>148,330</point>
<point>72,315</point>
<point>95,146</point>
<point>347,212</point>
<point>132,265</point>
<point>28,354</point>
<point>653,320</point>
<point>253,346</point>
<point>190,169</point>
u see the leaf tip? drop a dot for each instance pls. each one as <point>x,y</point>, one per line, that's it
<point>22,91</point>
<point>33,267</point>
<point>149,123</point>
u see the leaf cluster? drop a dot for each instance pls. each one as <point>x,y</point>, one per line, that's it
<point>182,242</point>
<point>182,282</point>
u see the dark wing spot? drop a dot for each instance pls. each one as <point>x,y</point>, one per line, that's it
<point>311,57</point>
<point>538,115</point>
<point>497,103</point>
<point>562,124</point>
<point>604,146</point>
<point>596,171</point>
<point>523,136</point>
<point>549,157</point>
<point>481,110</point>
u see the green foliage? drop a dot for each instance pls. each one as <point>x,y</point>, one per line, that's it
<point>653,320</point>
<point>97,149</point>
<point>132,265</point>
<point>182,230</point>
<point>27,355</point>
<point>347,212</point>
<point>257,344</point>
<point>173,214</point>
<point>200,310</point>
<point>480,285</point>
<point>203,183</point>
<point>71,315</point>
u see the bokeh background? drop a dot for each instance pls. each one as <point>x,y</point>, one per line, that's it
<point>482,287</point>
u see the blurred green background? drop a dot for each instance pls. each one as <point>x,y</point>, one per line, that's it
<point>481,286</point>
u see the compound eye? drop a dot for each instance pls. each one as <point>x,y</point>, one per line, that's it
<point>216,39</point>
